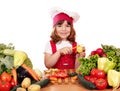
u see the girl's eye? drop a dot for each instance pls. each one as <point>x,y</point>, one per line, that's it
<point>62,26</point>
<point>67,25</point>
<point>59,26</point>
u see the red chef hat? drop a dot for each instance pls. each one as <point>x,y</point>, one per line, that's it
<point>62,16</point>
<point>59,14</point>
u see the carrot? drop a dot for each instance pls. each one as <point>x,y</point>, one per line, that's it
<point>14,73</point>
<point>30,71</point>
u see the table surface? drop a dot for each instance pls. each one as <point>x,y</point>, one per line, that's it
<point>69,87</point>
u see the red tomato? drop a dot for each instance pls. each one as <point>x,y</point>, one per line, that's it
<point>100,74</point>
<point>101,84</point>
<point>87,78</point>
<point>97,73</point>
<point>93,79</point>
<point>12,83</point>
<point>93,72</point>
<point>6,77</point>
<point>5,86</point>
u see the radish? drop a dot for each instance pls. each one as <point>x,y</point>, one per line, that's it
<point>93,53</point>
<point>99,51</point>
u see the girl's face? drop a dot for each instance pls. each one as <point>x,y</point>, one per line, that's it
<point>63,30</point>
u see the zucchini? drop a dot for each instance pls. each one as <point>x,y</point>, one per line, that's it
<point>72,74</point>
<point>43,82</point>
<point>85,83</point>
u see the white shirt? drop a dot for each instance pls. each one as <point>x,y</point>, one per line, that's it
<point>59,45</point>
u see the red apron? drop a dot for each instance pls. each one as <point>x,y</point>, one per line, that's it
<point>65,61</point>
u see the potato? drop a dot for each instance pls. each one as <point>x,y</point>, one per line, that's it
<point>26,82</point>
<point>60,80</point>
<point>66,80</point>
<point>20,89</point>
<point>34,87</point>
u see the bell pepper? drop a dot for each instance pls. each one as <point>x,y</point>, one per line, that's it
<point>101,62</point>
<point>113,78</point>
<point>108,66</point>
<point>105,64</point>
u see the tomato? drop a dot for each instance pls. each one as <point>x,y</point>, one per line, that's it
<point>6,77</point>
<point>97,73</point>
<point>90,78</point>
<point>5,86</point>
<point>100,74</point>
<point>87,77</point>
<point>93,72</point>
<point>93,79</point>
<point>101,83</point>
<point>13,83</point>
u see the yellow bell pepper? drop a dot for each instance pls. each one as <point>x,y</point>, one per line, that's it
<point>113,78</point>
<point>101,62</point>
<point>105,64</point>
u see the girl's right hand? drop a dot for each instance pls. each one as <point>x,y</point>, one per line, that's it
<point>65,50</point>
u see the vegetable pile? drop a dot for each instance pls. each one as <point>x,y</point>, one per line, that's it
<point>101,67</point>
<point>100,70</point>
<point>15,68</point>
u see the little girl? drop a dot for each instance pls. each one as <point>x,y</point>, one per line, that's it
<point>60,51</point>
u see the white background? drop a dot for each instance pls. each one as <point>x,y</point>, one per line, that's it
<point>27,24</point>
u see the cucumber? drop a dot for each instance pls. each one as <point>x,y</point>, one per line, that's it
<point>72,74</point>
<point>85,83</point>
<point>43,82</point>
<point>15,87</point>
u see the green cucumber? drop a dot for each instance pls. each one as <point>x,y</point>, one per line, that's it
<point>15,87</point>
<point>72,74</point>
<point>43,82</point>
<point>85,83</point>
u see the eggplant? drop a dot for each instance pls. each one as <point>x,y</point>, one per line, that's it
<point>20,69</point>
<point>22,73</point>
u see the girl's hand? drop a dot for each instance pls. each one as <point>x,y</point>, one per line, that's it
<point>82,53</point>
<point>65,50</point>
